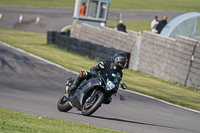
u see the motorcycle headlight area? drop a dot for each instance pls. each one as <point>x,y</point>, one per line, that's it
<point>110,85</point>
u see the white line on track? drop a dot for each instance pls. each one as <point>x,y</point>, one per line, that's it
<point>66,27</point>
<point>59,66</point>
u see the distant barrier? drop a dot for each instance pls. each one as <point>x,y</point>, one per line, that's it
<point>107,37</point>
<point>51,37</point>
<point>175,59</point>
<point>84,48</point>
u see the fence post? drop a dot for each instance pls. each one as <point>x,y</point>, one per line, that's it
<point>137,52</point>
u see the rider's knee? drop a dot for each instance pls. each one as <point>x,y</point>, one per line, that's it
<point>84,75</point>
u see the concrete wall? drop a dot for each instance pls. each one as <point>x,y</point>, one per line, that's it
<point>107,37</point>
<point>194,75</point>
<point>91,50</point>
<point>164,57</point>
<point>153,54</point>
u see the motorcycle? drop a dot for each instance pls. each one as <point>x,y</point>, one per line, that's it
<point>90,94</point>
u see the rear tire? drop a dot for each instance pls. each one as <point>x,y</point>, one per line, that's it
<point>91,107</point>
<point>63,104</point>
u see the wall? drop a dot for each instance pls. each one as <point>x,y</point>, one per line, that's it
<point>153,54</point>
<point>91,50</point>
<point>107,37</point>
<point>164,57</point>
<point>194,75</point>
<point>169,58</point>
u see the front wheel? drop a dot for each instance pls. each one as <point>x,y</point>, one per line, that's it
<point>91,106</point>
<point>63,104</point>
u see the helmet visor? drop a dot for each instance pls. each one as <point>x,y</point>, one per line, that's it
<point>122,64</point>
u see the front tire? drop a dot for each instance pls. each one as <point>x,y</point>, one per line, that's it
<point>63,104</point>
<point>91,106</point>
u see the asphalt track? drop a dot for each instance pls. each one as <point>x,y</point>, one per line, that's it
<point>54,19</point>
<point>32,85</point>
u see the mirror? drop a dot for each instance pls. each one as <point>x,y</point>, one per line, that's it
<point>123,86</point>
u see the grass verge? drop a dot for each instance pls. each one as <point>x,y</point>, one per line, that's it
<point>158,5</point>
<point>17,122</point>
<point>139,25</point>
<point>163,89</point>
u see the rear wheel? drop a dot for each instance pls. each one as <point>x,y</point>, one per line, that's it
<point>90,106</point>
<point>63,104</point>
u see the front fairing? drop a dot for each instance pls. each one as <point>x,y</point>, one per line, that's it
<point>88,86</point>
<point>112,75</point>
<point>85,90</point>
<point>112,79</point>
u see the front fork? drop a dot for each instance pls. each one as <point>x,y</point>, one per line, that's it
<point>93,95</point>
<point>68,84</point>
<point>67,91</point>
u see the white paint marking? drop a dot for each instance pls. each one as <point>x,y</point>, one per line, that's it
<point>66,27</point>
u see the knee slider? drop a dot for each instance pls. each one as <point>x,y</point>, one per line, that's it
<point>84,75</point>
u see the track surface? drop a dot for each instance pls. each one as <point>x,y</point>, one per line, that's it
<point>54,19</point>
<point>34,86</point>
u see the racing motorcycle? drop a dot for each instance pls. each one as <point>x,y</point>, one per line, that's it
<point>90,94</point>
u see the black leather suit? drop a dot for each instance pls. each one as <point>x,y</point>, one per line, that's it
<point>107,67</point>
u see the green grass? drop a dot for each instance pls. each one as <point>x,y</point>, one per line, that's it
<point>164,5</point>
<point>139,25</point>
<point>17,122</point>
<point>40,3</point>
<point>163,89</point>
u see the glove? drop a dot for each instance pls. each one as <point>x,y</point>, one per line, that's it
<point>94,73</point>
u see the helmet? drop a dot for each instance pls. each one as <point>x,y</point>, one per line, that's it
<point>120,61</point>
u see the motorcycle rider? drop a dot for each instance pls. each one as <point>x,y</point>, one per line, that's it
<point>117,62</point>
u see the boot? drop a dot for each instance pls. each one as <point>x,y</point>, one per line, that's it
<point>108,100</point>
<point>74,86</point>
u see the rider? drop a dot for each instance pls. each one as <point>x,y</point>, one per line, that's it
<point>117,62</point>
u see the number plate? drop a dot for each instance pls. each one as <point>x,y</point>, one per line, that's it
<point>110,85</point>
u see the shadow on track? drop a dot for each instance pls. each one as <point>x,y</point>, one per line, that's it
<point>128,121</point>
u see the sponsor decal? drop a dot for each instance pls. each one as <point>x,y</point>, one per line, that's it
<point>89,84</point>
